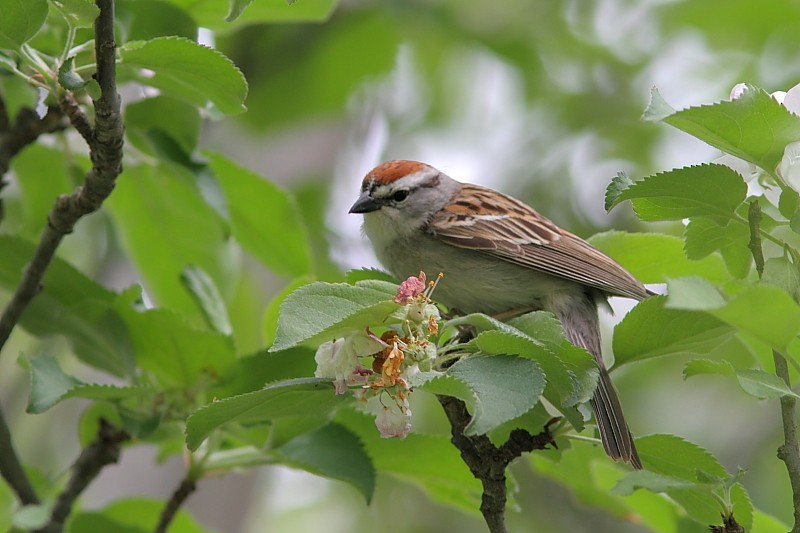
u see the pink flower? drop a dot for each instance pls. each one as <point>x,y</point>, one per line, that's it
<point>410,288</point>
<point>394,421</point>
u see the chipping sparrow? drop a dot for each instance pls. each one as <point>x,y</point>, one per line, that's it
<point>498,256</point>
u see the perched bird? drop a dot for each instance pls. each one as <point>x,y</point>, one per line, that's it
<point>499,256</point>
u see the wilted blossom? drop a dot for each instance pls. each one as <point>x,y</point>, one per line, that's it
<point>401,351</point>
<point>339,359</point>
<point>394,420</point>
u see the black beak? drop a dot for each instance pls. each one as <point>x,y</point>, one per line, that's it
<point>365,204</point>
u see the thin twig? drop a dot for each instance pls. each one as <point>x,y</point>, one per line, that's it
<point>789,451</point>
<point>104,450</point>
<point>106,166</point>
<point>106,154</point>
<point>11,468</point>
<point>486,461</point>
<point>187,486</point>
<point>69,106</point>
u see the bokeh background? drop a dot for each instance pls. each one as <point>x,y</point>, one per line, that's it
<point>539,99</point>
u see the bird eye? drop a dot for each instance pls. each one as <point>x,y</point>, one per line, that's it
<point>400,195</point>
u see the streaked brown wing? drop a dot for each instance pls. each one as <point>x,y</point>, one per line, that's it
<point>516,233</point>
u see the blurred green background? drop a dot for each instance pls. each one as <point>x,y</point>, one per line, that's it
<point>539,99</point>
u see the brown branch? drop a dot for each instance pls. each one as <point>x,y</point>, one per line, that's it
<point>789,451</point>
<point>103,451</point>
<point>181,494</point>
<point>11,468</point>
<point>106,154</point>
<point>70,107</point>
<point>486,461</point>
<point>729,525</point>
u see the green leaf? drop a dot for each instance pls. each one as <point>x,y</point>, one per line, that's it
<point>652,330</point>
<point>657,108</point>
<point>501,387</point>
<point>31,517</point>
<point>654,257</point>
<point>68,78</point>
<point>168,116</point>
<point>763,384</point>
<point>693,294</point>
<point>37,197</point>
<point>236,8</point>
<point>654,482</point>
<point>20,20</point>
<point>430,462</point>
<point>142,21</point>
<point>704,236</point>
<point>292,398</point>
<point>321,311</point>
<point>214,14</point>
<point>132,515</point>
<point>71,305</point>
<point>176,353</point>
<point>359,274</point>
<point>782,273</point>
<point>79,13</point>
<point>335,452</point>
<point>754,127</point>
<point>160,216</point>
<point>704,190</point>
<point>208,298</point>
<point>264,218</point>
<point>697,367</point>
<point>618,184</point>
<point>765,312</point>
<point>788,203</point>
<point>184,69</point>
<point>269,322</point>
<point>674,457</point>
<point>48,383</point>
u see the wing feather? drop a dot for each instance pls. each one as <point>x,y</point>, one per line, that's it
<point>516,233</point>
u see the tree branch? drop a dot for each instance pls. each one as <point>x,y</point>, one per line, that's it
<point>789,451</point>
<point>106,155</point>
<point>11,468</point>
<point>486,461</point>
<point>103,451</point>
<point>181,494</point>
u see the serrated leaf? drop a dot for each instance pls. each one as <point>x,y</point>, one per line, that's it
<point>335,452</point>
<point>359,274</point>
<point>765,312</point>
<point>654,257</point>
<point>657,108</point>
<point>71,305</point>
<point>652,330</point>
<point>754,127</point>
<point>704,236</point>
<point>79,13</point>
<point>184,69</point>
<point>763,384</point>
<point>292,398</point>
<point>655,482</point>
<point>320,311</point>
<point>50,385</point>
<point>159,212</point>
<point>208,299</point>
<point>671,456</point>
<point>782,273</point>
<point>693,293</point>
<point>20,20</point>
<point>264,218</point>
<point>703,190</point>
<point>269,322</point>
<point>618,183</point>
<point>502,387</point>
<point>697,367</point>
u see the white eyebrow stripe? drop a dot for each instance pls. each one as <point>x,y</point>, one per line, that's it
<point>490,218</point>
